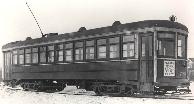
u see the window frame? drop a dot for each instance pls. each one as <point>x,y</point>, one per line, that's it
<point>90,46</point>
<point>21,54</point>
<point>173,39</point>
<point>15,54</point>
<point>185,46</point>
<point>128,42</point>
<point>48,53</point>
<point>39,52</point>
<point>30,58</point>
<point>117,44</point>
<point>80,49</point>
<point>103,45</point>
<point>7,58</point>
<point>38,58</point>
<point>68,49</point>
<point>57,50</point>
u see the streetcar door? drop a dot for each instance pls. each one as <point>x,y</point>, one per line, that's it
<point>146,62</point>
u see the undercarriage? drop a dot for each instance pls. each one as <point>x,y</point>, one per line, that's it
<point>101,88</point>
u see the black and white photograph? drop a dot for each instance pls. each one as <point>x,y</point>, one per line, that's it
<point>96,52</point>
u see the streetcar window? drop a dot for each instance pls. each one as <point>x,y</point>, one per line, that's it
<point>79,54</point>
<point>143,49</point>
<point>43,54</point>
<point>78,44</point>
<point>28,55</point>
<point>68,52</point>
<point>34,55</point>
<point>165,35</point>
<point>166,44</point>
<point>150,46</point>
<point>50,53</point>
<point>59,52</point>
<point>114,51</point>
<point>181,46</point>
<point>15,57</point>
<point>11,62</point>
<point>128,46</point>
<point>101,51</point>
<point>90,49</point>
<point>90,43</point>
<point>101,48</point>
<point>114,47</point>
<point>78,51</point>
<point>21,56</point>
<point>114,40</point>
<point>69,45</point>
<point>128,38</point>
<point>128,50</point>
<point>4,57</point>
<point>89,52</point>
<point>7,58</point>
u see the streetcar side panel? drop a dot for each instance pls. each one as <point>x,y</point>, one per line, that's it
<point>121,71</point>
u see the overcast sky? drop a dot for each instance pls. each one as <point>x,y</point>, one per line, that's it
<point>64,16</point>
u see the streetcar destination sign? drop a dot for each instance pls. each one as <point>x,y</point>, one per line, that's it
<point>169,68</point>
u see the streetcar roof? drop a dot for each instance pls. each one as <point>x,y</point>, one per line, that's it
<point>100,31</point>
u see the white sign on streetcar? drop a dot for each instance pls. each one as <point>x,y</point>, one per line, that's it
<point>169,68</point>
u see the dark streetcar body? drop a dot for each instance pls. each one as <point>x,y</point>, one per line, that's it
<point>145,56</point>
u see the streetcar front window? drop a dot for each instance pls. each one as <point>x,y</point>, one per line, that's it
<point>181,46</point>
<point>166,45</point>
